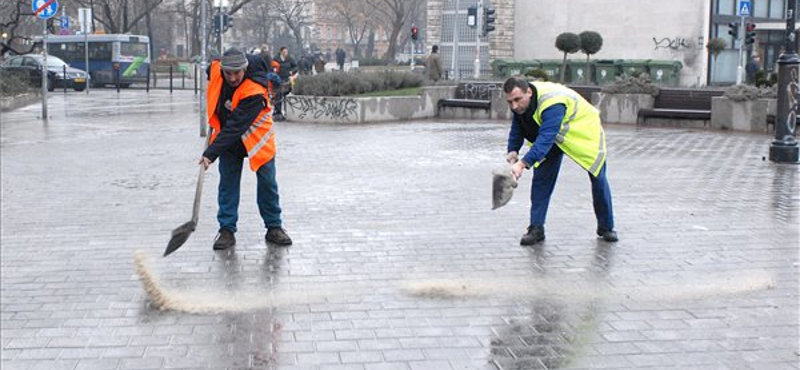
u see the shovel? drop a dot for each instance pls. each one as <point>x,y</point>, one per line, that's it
<point>503,185</point>
<point>181,233</point>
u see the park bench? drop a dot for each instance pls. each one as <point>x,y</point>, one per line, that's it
<point>475,95</point>
<point>680,104</point>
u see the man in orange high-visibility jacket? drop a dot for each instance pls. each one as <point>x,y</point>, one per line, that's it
<point>240,116</point>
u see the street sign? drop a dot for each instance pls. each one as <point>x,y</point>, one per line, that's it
<point>44,8</point>
<point>64,22</point>
<point>744,7</point>
<point>85,19</point>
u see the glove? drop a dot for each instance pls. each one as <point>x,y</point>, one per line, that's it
<point>512,157</point>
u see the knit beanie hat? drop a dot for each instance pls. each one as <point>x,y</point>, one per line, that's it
<point>234,60</point>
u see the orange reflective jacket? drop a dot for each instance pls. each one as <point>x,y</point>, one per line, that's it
<point>259,140</point>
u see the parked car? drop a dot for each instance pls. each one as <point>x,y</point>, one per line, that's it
<point>59,74</point>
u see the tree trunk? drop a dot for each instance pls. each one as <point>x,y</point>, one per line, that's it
<point>563,68</point>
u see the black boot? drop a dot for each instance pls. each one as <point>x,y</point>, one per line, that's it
<point>607,235</point>
<point>224,240</point>
<point>277,235</point>
<point>534,235</point>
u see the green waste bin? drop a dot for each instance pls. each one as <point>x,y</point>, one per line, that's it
<point>553,69</point>
<point>632,67</point>
<point>606,71</point>
<point>513,67</point>
<point>581,72</point>
<point>664,72</point>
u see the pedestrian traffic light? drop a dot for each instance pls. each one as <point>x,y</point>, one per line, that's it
<point>488,20</point>
<point>733,29</point>
<point>472,16</point>
<point>750,36</point>
<point>217,23</point>
<point>414,33</point>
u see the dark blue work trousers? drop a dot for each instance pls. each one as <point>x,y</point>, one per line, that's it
<point>544,181</point>
<point>230,171</point>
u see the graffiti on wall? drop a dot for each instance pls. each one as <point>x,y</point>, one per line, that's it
<point>672,43</point>
<point>476,90</point>
<point>339,109</point>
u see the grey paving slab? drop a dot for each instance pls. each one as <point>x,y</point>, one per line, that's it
<point>398,261</point>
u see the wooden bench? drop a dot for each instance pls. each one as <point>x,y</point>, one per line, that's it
<point>680,104</point>
<point>465,103</point>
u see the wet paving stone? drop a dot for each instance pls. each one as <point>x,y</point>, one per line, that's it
<point>398,260</point>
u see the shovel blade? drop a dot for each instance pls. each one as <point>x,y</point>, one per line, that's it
<point>503,185</point>
<point>179,236</point>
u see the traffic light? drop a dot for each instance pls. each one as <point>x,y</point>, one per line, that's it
<point>750,36</point>
<point>733,29</point>
<point>488,20</point>
<point>472,16</point>
<point>217,23</point>
<point>414,33</point>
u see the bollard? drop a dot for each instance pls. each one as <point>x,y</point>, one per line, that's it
<point>183,79</point>
<point>118,80</point>
<point>148,78</point>
<point>170,78</point>
<point>784,148</point>
<point>195,79</point>
<point>65,78</point>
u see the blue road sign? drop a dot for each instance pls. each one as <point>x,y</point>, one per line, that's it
<point>64,22</point>
<point>44,8</point>
<point>744,7</point>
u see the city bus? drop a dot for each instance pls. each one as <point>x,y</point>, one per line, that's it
<point>128,54</point>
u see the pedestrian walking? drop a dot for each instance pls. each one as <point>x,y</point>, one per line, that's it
<point>240,116</point>
<point>433,65</point>
<point>340,57</point>
<point>288,68</point>
<point>556,120</point>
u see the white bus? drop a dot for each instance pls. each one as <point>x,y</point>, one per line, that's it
<point>110,56</point>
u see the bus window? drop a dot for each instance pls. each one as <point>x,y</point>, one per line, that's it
<point>133,49</point>
<point>100,51</point>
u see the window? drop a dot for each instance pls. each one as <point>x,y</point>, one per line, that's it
<point>15,62</point>
<point>100,51</point>
<point>776,9</point>
<point>138,49</point>
<point>29,62</point>
<point>727,7</point>
<point>760,8</point>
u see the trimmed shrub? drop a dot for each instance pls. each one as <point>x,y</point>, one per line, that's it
<point>340,84</point>
<point>14,83</point>
<point>537,74</point>
<point>742,92</point>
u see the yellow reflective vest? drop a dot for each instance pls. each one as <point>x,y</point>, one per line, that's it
<point>581,135</point>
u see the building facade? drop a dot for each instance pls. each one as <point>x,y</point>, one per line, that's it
<point>677,30</point>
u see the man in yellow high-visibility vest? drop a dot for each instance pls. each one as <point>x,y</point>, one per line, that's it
<point>557,121</point>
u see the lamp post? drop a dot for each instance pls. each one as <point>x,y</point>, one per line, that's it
<point>784,148</point>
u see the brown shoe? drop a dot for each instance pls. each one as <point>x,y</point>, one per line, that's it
<point>224,240</point>
<point>276,235</point>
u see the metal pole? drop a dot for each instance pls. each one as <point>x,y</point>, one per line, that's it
<point>64,73</point>
<point>221,32</point>
<point>203,66</point>
<point>44,72</point>
<point>455,41</point>
<point>86,53</point>
<point>784,148</point>
<point>741,39</point>
<point>479,30</point>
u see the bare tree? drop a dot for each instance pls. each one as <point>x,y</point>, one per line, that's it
<point>395,14</point>
<point>119,16</point>
<point>294,15</point>
<point>17,21</point>
<point>357,17</point>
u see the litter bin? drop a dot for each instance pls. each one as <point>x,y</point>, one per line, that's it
<point>553,69</point>
<point>606,71</point>
<point>581,72</point>
<point>664,72</point>
<point>514,67</point>
<point>632,67</point>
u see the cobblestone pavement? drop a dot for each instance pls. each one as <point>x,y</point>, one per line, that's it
<point>398,261</point>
